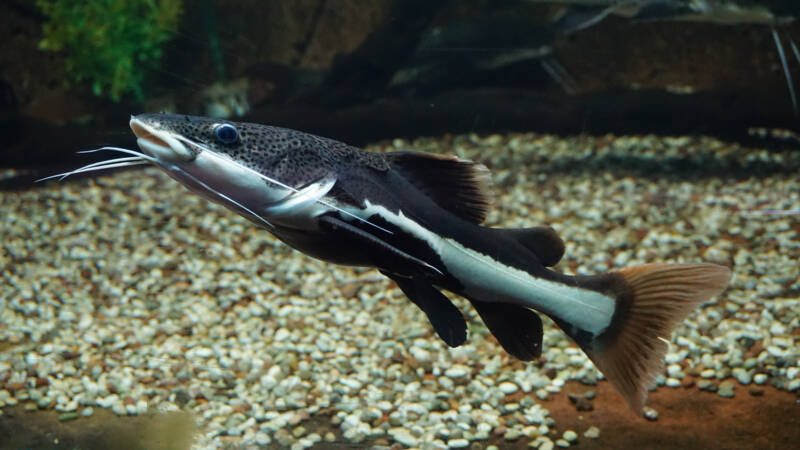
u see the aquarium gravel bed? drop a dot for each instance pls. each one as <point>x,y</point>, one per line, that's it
<point>127,292</point>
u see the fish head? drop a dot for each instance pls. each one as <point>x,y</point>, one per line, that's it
<point>242,166</point>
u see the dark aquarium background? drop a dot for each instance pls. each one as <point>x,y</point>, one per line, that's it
<point>136,315</point>
<point>363,71</point>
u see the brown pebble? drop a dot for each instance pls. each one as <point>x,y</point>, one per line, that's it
<point>581,403</point>
<point>11,387</point>
<point>756,391</point>
<point>349,290</point>
<point>299,417</point>
<point>500,431</point>
<point>42,381</point>
<point>242,408</point>
<point>69,355</point>
<point>687,382</point>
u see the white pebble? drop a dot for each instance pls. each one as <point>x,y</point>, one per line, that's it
<point>403,436</point>
<point>281,335</point>
<point>507,387</point>
<point>457,371</point>
<point>457,443</point>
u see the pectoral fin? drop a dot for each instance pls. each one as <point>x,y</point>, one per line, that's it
<point>299,201</point>
<point>518,329</point>
<point>443,315</point>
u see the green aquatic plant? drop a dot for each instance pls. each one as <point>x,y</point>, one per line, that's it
<point>109,43</point>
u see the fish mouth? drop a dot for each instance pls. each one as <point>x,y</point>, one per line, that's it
<point>160,144</point>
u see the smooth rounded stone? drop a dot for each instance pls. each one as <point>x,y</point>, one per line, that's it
<point>119,409</point>
<point>708,373</point>
<point>457,371</point>
<point>726,389</point>
<point>562,443</point>
<point>436,444</point>
<point>329,437</point>
<point>371,413</point>
<point>87,412</point>
<point>742,376</point>
<point>508,387</point>
<point>414,408</point>
<point>262,438</point>
<point>141,407</point>
<point>420,354</point>
<point>511,434</point>
<point>385,406</point>
<point>547,444</point>
<point>756,391</point>
<point>672,382</point>
<point>509,408</point>
<point>650,413</point>
<point>675,371</point>
<point>283,437</point>
<point>707,385</point>
<point>281,335</point>
<point>355,434</point>
<point>202,352</point>
<point>446,383</point>
<point>542,394</point>
<point>68,416</point>
<point>793,385</point>
<point>570,436</point>
<point>464,418</point>
<point>404,437</point>
<point>592,433</point>
<point>457,443</point>
<point>397,418</point>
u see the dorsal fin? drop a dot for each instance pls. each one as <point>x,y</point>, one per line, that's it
<point>457,185</point>
<point>543,241</point>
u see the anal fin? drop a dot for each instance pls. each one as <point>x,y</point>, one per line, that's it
<point>443,315</point>
<point>518,329</point>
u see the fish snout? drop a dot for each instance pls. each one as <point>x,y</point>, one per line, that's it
<point>158,142</point>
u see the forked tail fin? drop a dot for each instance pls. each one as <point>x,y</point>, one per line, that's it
<point>653,299</point>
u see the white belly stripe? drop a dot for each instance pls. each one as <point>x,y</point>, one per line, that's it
<point>486,279</point>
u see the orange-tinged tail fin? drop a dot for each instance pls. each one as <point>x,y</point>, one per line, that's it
<point>655,298</point>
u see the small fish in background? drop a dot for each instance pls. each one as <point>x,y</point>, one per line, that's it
<point>417,218</point>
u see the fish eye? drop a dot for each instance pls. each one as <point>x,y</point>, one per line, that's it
<point>227,133</point>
